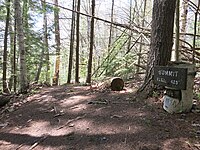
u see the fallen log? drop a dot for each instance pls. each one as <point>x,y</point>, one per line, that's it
<point>117,84</point>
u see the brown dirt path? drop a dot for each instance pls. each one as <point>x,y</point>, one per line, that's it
<point>81,118</point>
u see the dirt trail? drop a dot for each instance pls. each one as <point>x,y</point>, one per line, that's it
<point>81,118</point>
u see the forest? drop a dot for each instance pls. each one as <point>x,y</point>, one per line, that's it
<point>106,39</point>
<point>100,74</point>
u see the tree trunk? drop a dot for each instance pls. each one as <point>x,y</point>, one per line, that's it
<point>110,34</point>
<point>141,39</point>
<point>177,31</point>
<point>12,44</point>
<point>45,40</point>
<point>46,44</point>
<point>57,40</point>
<point>20,36</point>
<point>89,73</point>
<point>71,44</point>
<point>161,41</point>
<point>14,56</point>
<point>5,53</point>
<point>77,42</point>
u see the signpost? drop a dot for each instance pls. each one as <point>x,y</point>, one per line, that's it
<point>172,77</point>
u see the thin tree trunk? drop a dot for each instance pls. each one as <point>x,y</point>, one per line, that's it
<point>57,40</point>
<point>177,31</point>
<point>14,56</point>
<point>77,43</point>
<point>12,34</point>
<point>20,35</point>
<point>183,25</point>
<point>110,34</point>
<point>71,44</point>
<point>5,54</point>
<point>89,73</point>
<point>46,44</point>
<point>141,39</point>
<point>45,40</point>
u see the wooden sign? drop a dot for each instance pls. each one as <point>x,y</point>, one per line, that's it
<point>171,77</point>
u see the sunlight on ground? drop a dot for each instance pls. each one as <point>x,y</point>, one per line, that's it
<point>77,108</point>
<point>40,128</point>
<point>71,101</point>
<point>170,143</point>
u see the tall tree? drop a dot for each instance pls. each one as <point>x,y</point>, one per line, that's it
<point>5,87</point>
<point>44,48</point>
<point>20,38</point>
<point>110,32</point>
<point>57,40</point>
<point>161,41</point>
<point>45,39</point>
<point>77,42</point>
<point>89,73</point>
<point>71,44</point>
<point>177,30</point>
<point>12,45</point>
<point>141,38</point>
<point>184,14</point>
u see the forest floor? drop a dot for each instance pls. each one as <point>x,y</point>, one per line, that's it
<point>73,117</point>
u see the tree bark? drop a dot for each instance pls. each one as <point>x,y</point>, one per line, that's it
<point>89,73</point>
<point>12,44</point>
<point>71,44</point>
<point>177,30</point>
<point>110,33</point>
<point>57,40</point>
<point>20,36</point>
<point>161,41</point>
<point>5,53</point>
<point>77,42</point>
<point>141,39</point>
<point>46,44</point>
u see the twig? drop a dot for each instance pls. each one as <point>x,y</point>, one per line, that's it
<point>19,146</point>
<point>38,142</point>
<point>71,120</point>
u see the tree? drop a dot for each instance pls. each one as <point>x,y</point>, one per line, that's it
<point>161,41</point>
<point>57,40</point>
<point>141,38</point>
<point>71,44</point>
<point>5,87</point>
<point>12,56</point>
<point>89,73</point>
<point>77,42</point>
<point>184,14</point>
<point>177,30</point>
<point>20,39</point>
<point>45,46</point>
<point>111,30</point>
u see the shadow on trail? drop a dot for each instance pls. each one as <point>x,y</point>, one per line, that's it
<point>78,118</point>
